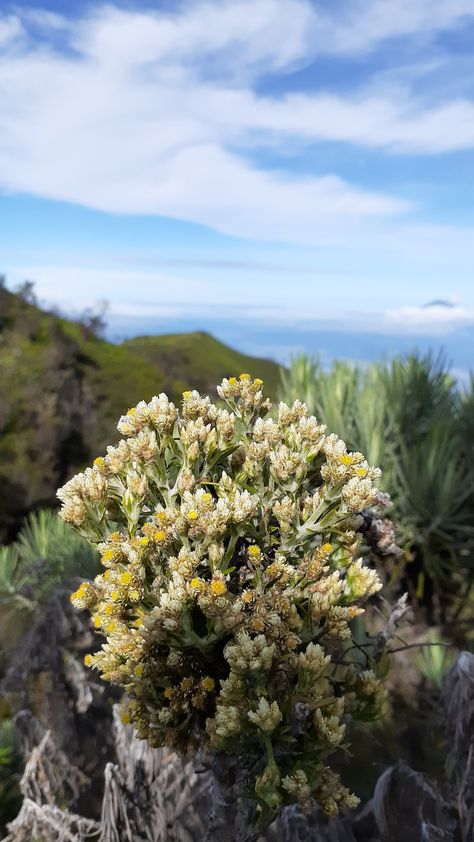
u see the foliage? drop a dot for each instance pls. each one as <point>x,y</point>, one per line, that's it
<point>46,553</point>
<point>435,660</point>
<point>466,417</point>
<point>409,417</point>
<point>10,798</point>
<point>45,539</point>
<point>230,547</point>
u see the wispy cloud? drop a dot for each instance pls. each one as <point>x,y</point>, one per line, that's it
<point>157,113</point>
<point>365,24</point>
<point>243,36</point>
<point>397,123</point>
<point>11,30</point>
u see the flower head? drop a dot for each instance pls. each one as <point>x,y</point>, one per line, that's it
<point>231,576</point>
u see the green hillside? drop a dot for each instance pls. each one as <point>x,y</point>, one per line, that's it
<point>198,361</point>
<point>62,390</point>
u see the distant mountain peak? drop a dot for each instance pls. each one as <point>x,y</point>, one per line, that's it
<point>439,302</point>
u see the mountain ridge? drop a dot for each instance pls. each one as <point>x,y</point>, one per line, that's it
<point>63,388</point>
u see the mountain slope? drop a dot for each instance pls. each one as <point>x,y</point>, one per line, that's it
<point>62,390</point>
<point>199,361</point>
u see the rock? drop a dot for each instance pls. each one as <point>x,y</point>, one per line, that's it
<point>47,679</point>
<point>406,804</point>
<point>458,696</point>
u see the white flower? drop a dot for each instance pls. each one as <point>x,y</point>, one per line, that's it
<point>267,716</point>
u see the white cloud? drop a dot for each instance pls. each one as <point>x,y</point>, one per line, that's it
<point>398,124</point>
<point>364,24</point>
<point>437,318</point>
<point>241,35</point>
<point>130,292</point>
<point>11,30</point>
<point>155,113</point>
<point>43,19</point>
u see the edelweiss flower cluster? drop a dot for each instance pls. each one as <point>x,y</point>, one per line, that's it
<point>231,576</point>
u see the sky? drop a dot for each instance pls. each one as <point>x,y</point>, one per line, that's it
<point>280,169</point>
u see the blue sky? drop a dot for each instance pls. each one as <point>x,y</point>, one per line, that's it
<point>286,163</point>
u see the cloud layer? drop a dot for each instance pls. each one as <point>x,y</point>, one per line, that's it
<point>149,294</point>
<point>164,113</point>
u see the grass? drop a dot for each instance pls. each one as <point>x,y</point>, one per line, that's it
<point>199,361</point>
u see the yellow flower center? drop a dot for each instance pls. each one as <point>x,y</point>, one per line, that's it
<point>208,684</point>
<point>125,578</point>
<point>245,376</point>
<point>346,459</point>
<point>218,587</point>
<point>361,472</point>
<point>168,692</point>
<point>254,551</point>
<point>193,515</point>
<point>78,594</point>
<point>327,548</point>
<point>258,625</point>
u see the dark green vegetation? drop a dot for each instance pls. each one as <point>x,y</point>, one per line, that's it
<point>62,390</point>
<point>46,554</point>
<point>10,800</point>
<point>410,417</point>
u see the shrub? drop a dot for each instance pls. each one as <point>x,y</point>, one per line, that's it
<point>231,576</point>
<point>409,417</point>
<point>51,552</point>
<point>46,554</point>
